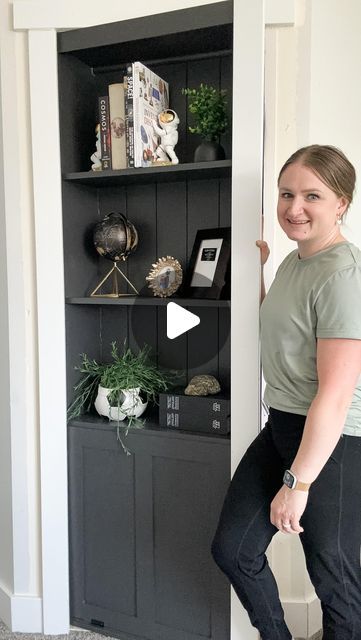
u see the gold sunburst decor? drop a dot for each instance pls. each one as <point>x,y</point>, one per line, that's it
<point>165,277</point>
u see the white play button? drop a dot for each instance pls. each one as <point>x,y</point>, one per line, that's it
<point>179,320</point>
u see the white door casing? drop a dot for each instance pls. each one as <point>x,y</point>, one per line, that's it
<point>42,19</point>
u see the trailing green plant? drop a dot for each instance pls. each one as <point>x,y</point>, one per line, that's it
<point>126,371</point>
<point>209,108</point>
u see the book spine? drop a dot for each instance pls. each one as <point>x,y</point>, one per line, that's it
<point>104,122</point>
<point>129,116</point>
<point>117,125</point>
<point>136,112</point>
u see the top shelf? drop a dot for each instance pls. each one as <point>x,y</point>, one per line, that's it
<point>174,172</point>
<point>191,31</point>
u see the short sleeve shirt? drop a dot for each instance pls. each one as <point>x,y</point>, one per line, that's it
<point>310,298</point>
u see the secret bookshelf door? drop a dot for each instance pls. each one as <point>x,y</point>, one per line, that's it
<point>141,526</point>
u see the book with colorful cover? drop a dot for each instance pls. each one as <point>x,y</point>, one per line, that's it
<point>104,123</point>
<point>150,97</point>
<point>129,115</point>
<point>117,125</point>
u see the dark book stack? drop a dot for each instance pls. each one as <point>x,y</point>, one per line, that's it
<point>207,414</point>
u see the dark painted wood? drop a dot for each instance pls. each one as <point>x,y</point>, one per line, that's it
<point>142,301</point>
<point>156,35</point>
<point>141,529</point>
<point>141,525</point>
<point>140,175</point>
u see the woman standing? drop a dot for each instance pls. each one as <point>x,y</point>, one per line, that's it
<point>302,474</point>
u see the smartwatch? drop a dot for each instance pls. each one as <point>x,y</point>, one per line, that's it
<point>290,480</point>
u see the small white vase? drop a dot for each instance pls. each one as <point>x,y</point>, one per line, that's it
<point>130,405</point>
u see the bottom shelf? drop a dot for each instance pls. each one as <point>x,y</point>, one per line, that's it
<point>151,427</point>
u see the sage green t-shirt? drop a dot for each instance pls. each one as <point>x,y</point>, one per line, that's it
<point>310,298</point>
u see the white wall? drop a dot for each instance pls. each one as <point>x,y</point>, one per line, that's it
<point>19,494</point>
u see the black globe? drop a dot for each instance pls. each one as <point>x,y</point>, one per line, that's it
<point>115,237</point>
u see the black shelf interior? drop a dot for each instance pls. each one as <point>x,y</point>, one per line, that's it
<point>167,204</point>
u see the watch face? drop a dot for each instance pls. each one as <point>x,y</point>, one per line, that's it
<point>289,479</point>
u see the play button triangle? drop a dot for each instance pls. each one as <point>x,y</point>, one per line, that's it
<point>179,320</point>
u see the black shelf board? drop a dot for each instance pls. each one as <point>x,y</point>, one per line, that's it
<point>144,301</point>
<point>191,30</point>
<point>151,427</point>
<point>167,173</point>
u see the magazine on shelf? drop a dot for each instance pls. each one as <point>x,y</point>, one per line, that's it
<point>150,97</point>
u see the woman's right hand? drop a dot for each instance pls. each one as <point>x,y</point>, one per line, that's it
<point>264,250</point>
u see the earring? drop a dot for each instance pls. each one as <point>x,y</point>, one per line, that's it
<point>339,220</point>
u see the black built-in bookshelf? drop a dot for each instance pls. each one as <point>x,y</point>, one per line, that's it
<point>146,593</point>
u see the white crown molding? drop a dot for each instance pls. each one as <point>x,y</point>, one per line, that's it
<point>50,14</point>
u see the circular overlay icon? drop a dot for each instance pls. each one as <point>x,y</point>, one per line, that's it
<point>188,335</point>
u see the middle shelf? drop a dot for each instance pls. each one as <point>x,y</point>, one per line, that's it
<point>144,301</point>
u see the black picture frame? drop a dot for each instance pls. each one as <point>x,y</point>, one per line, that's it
<point>209,281</point>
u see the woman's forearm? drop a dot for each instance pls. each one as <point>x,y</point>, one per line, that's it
<point>263,288</point>
<point>322,431</point>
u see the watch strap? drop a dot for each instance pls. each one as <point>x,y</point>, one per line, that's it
<point>302,486</point>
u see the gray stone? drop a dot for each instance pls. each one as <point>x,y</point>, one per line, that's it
<point>202,385</point>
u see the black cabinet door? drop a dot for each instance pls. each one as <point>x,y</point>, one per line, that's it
<point>141,527</point>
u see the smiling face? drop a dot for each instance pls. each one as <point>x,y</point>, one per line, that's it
<point>308,209</point>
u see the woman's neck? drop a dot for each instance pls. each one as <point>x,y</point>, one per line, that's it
<point>309,248</point>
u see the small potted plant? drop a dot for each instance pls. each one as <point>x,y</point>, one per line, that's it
<point>209,109</point>
<point>121,389</point>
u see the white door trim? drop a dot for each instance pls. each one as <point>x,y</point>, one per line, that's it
<point>42,18</point>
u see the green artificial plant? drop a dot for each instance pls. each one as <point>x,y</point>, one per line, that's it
<point>209,108</point>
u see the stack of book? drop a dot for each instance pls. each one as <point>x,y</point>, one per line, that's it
<point>126,117</point>
<point>209,414</point>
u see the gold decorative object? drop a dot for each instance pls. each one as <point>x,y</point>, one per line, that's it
<point>165,277</point>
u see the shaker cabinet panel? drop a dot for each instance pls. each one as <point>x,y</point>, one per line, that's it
<point>141,528</point>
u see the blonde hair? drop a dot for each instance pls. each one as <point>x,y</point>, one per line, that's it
<point>330,165</point>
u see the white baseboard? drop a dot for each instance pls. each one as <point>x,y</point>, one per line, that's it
<point>21,613</point>
<point>304,618</point>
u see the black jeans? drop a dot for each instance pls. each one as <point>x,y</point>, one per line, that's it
<point>331,538</point>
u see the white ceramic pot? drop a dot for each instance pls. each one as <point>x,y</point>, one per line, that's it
<point>130,405</point>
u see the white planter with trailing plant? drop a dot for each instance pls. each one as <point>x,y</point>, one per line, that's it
<point>121,389</point>
<point>129,405</point>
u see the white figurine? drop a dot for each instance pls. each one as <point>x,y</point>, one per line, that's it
<point>96,157</point>
<point>167,131</point>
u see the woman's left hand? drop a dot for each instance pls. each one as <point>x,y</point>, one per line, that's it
<point>287,508</point>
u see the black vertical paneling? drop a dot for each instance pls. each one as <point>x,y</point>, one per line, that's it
<point>113,327</point>
<point>226,71</point>
<point>205,71</point>
<point>80,207</point>
<point>224,349</point>
<point>78,112</point>
<point>141,211</point>
<point>82,336</point>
